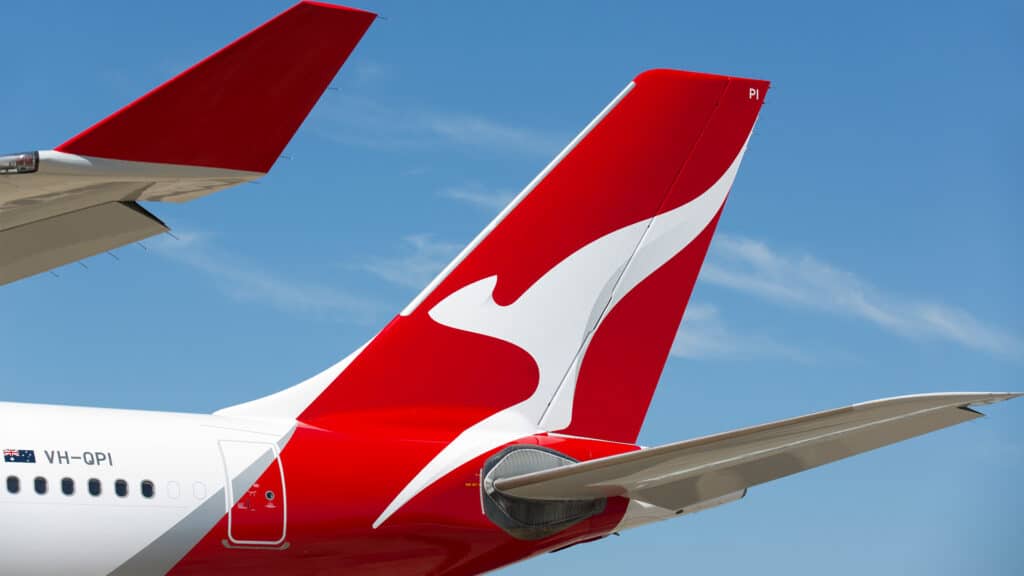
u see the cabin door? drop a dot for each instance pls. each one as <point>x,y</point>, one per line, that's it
<point>254,493</point>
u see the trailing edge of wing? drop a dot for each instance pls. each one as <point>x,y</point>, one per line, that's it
<point>44,244</point>
<point>676,476</point>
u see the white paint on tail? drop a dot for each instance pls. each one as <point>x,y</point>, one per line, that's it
<point>289,403</point>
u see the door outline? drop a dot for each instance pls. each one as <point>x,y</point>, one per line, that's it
<point>229,496</point>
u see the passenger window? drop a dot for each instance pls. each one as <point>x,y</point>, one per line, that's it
<point>40,485</point>
<point>94,486</point>
<point>121,488</point>
<point>147,489</point>
<point>13,484</point>
<point>67,486</point>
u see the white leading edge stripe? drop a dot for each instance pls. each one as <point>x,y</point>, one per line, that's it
<point>515,202</point>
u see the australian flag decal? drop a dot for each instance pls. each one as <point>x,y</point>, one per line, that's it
<point>27,456</point>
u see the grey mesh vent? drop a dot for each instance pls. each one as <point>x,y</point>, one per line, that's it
<point>530,519</point>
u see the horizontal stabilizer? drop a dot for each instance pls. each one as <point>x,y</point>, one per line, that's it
<point>677,476</point>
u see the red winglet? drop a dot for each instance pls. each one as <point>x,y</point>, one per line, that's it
<point>238,108</point>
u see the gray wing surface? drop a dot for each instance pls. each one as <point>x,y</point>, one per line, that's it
<point>677,476</point>
<point>69,207</point>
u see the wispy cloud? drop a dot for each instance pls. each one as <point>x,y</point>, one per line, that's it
<point>479,131</point>
<point>418,267</point>
<point>704,334</point>
<point>801,280</point>
<point>479,196</point>
<point>360,121</point>
<point>247,282</point>
<point>367,72</point>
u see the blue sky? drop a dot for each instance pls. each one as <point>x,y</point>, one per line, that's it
<point>871,246</point>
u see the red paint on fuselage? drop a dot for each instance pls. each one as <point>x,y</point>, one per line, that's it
<point>338,483</point>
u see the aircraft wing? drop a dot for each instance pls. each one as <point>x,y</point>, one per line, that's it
<point>222,122</point>
<point>685,474</point>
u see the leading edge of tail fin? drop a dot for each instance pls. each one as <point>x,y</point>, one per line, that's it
<point>238,108</point>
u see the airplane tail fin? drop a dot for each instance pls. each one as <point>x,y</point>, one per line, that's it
<point>563,310</point>
<point>559,315</point>
<point>238,108</point>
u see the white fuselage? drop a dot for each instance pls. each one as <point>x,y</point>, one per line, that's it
<point>185,458</point>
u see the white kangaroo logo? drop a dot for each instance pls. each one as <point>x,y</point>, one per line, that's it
<point>553,321</point>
